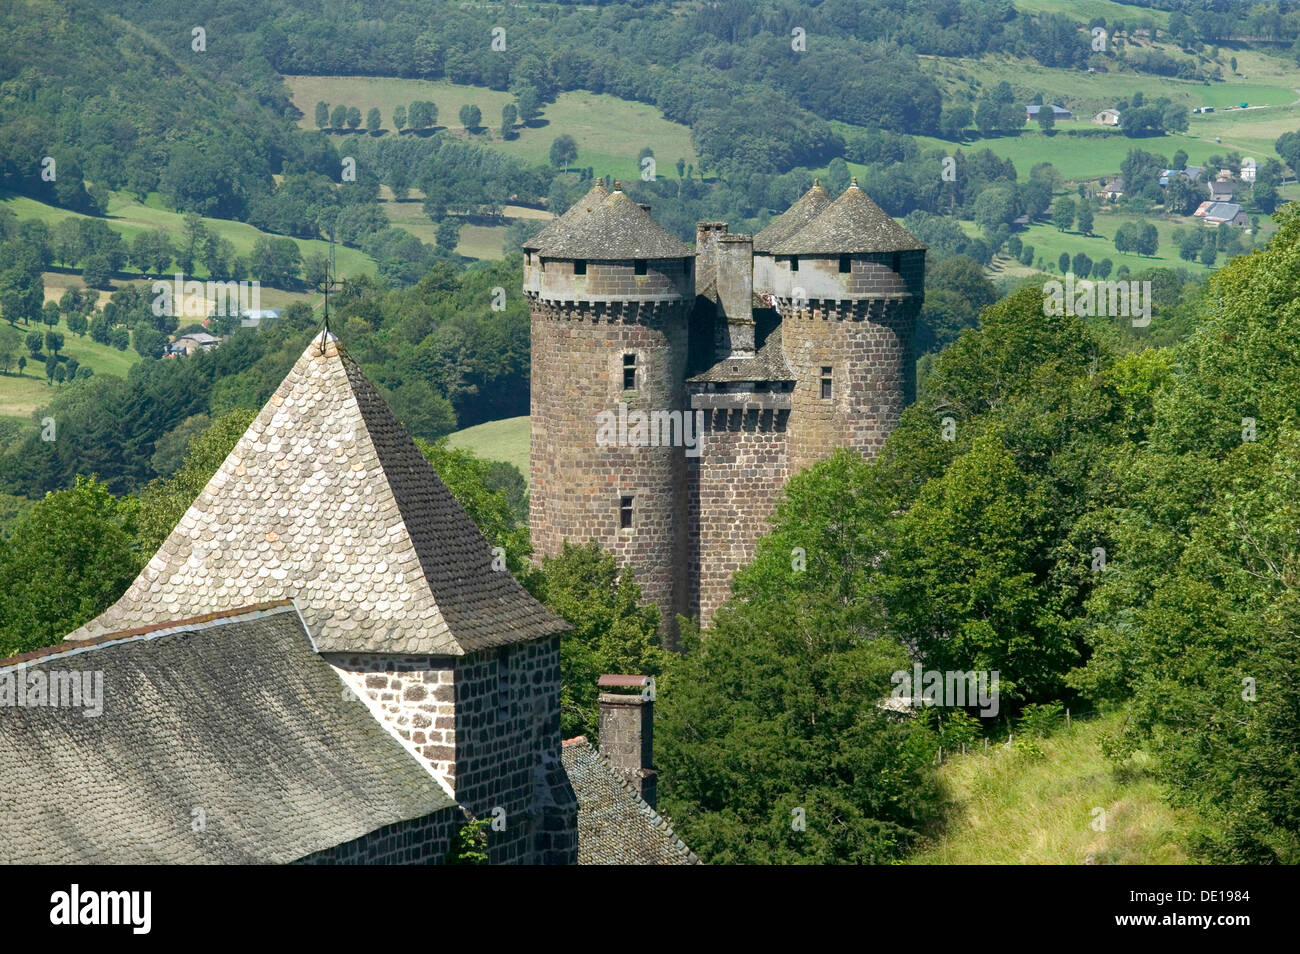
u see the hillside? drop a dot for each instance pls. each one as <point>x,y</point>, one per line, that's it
<point>505,440</point>
<point>1014,808</point>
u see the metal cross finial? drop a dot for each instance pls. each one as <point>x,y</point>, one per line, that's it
<point>326,286</point>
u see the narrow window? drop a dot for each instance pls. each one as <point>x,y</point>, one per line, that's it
<point>629,372</point>
<point>794,263</point>
<point>625,513</point>
<point>898,262</point>
<point>846,264</point>
<point>826,384</point>
<point>638,266</point>
<point>580,267</point>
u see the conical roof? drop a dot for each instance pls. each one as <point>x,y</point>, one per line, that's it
<point>810,205</point>
<point>327,501</point>
<point>617,228</point>
<point>851,224</point>
<point>575,213</point>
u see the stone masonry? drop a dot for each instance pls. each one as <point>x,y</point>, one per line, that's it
<point>790,343</point>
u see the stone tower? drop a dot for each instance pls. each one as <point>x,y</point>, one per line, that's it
<point>611,294</point>
<point>848,286</point>
<point>783,346</point>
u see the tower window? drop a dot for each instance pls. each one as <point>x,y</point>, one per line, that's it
<point>827,387</point>
<point>898,262</point>
<point>580,267</point>
<point>846,264</point>
<point>638,266</point>
<point>629,372</point>
<point>625,513</point>
<point>794,263</point>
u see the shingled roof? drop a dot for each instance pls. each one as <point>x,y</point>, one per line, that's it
<point>852,224</point>
<point>810,205</point>
<point>327,500</point>
<point>576,212</point>
<point>236,716</point>
<point>767,364</point>
<point>615,825</point>
<point>617,228</point>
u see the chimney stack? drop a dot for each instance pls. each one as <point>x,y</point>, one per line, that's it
<point>735,264</point>
<point>627,730</point>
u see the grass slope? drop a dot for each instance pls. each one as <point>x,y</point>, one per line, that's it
<point>506,440</point>
<point>1010,808</point>
<point>20,395</point>
<point>609,131</point>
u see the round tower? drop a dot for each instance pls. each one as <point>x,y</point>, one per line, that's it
<point>610,292</point>
<point>848,282</point>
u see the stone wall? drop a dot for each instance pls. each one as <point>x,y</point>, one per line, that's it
<point>733,489</point>
<point>414,697</point>
<point>577,485</point>
<point>488,724</point>
<point>420,841</point>
<point>508,767</point>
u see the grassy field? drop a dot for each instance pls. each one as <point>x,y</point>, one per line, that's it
<point>130,217</point>
<point>1011,808</point>
<point>1049,242</point>
<point>609,131</point>
<point>505,440</point>
<point>20,395</point>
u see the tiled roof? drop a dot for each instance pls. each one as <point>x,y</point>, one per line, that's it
<point>810,205</point>
<point>768,364</point>
<point>617,228</point>
<point>615,825</point>
<point>221,741</point>
<point>851,224</point>
<point>576,213</point>
<point>327,500</point>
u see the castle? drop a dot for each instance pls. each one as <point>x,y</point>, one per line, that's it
<point>781,346</point>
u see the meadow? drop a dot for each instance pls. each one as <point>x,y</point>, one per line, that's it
<point>609,131</point>
<point>506,440</point>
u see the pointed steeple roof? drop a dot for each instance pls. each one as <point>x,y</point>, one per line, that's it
<point>851,224</point>
<point>810,205</point>
<point>575,213</point>
<point>326,500</point>
<point>617,228</point>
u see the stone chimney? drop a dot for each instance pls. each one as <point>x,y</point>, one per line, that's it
<point>735,264</point>
<point>706,251</point>
<point>627,730</point>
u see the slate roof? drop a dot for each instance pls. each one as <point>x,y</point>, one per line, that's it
<point>575,213</point>
<point>768,364</point>
<point>809,205</point>
<point>237,716</point>
<point>327,500</point>
<point>617,228</point>
<point>849,225</point>
<point>615,825</point>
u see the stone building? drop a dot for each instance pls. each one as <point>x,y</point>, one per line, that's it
<point>320,664</point>
<point>674,391</point>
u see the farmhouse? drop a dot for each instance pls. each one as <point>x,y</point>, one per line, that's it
<point>1112,190</point>
<point>1190,173</point>
<point>1058,112</point>
<point>1249,167</point>
<point>1221,213</point>
<point>1107,117</point>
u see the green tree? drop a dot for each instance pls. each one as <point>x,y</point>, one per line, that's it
<point>399,117</point>
<point>470,117</point>
<point>34,342</point>
<point>564,152</point>
<point>509,116</point>
<point>354,117</point>
<point>339,117</point>
<point>54,341</point>
<point>448,234</point>
<point>65,561</point>
<point>1063,212</point>
<point>1084,218</point>
<point>322,115</point>
<point>374,121</point>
